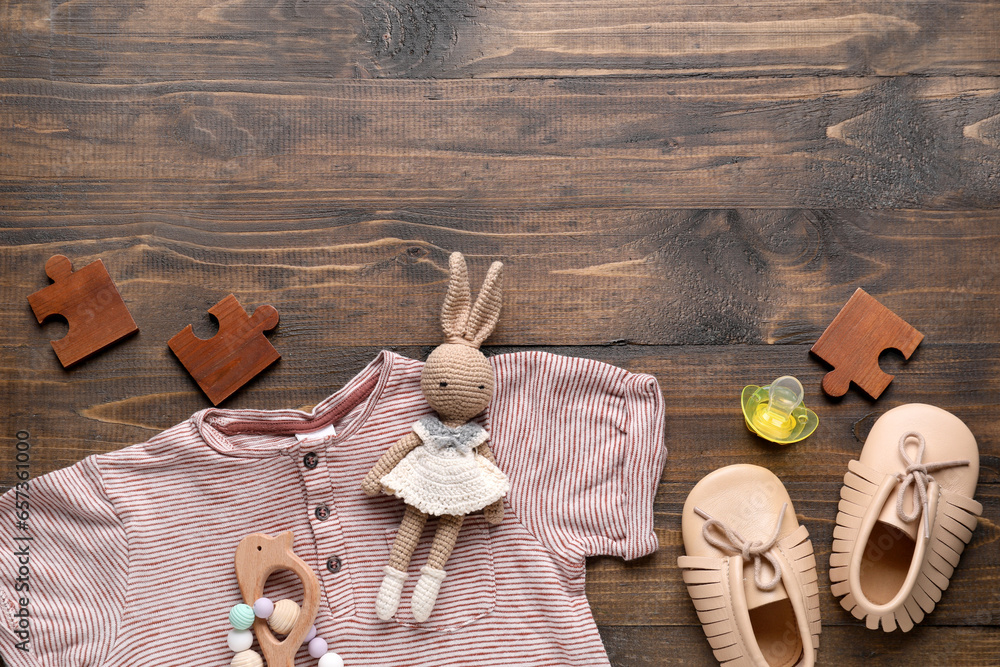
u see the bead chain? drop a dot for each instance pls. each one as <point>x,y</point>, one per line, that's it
<point>241,617</point>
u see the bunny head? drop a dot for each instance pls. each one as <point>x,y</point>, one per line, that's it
<point>457,380</point>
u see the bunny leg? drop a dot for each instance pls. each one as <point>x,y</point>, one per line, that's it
<point>390,591</point>
<point>407,538</point>
<point>432,574</point>
<point>444,540</point>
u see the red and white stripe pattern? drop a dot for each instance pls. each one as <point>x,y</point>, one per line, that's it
<point>132,557</point>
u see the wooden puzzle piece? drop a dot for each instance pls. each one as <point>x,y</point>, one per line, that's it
<point>235,355</point>
<point>89,301</point>
<point>860,332</point>
<point>258,556</point>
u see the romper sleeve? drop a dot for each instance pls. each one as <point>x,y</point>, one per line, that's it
<point>69,578</point>
<point>583,445</point>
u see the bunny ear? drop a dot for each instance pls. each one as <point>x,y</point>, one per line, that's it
<point>455,312</point>
<point>486,311</point>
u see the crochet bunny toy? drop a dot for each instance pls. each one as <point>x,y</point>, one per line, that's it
<point>444,466</point>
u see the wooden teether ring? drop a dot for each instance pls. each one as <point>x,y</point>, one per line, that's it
<point>258,556</point>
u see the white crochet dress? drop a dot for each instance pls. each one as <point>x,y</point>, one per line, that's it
<point>445,474</point>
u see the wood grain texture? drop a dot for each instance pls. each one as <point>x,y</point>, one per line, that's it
<point>705,430</point>
<point>575,277</point>
<point>257,557</point>
<point>100,409</point>
<point>648,37</point>
<point>844,142</point>
<point>857,336</point>
<point>686,645</point>
<point>689,190</point>
<point>235,355</point>
<point>117,41</point>
<point>86,298</point>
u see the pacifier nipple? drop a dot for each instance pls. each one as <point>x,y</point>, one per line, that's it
<point>775,417</point>
<point>776,412</point>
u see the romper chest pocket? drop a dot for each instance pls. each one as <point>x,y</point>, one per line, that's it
<point>468,591</point>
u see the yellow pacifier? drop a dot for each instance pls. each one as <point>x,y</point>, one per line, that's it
<point>776,412</point>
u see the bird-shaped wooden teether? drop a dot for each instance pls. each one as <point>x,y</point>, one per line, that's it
<point>258,556</point>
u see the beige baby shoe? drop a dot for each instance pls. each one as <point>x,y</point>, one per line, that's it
<point>750,570</point>
<point>906,514</point>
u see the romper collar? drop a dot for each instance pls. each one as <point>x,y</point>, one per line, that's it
<point>216,425</point>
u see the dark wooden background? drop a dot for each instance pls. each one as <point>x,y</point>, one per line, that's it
<point>687,190</point>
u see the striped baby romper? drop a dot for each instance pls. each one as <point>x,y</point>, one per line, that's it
<point>130,560</point>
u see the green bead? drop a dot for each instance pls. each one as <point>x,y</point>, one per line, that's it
<point>241,616</point>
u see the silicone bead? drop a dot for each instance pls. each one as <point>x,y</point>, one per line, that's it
<point>317,647</point>
<point>241,616</point>
<point>284,616</point>
<point>240,640</point>
<point>263,608</point>
<point>331,660</point>
<point>247,659</point>
<point>312,633</point>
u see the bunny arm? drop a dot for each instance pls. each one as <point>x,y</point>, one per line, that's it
<point>372,484</point>
<point>493,513</point>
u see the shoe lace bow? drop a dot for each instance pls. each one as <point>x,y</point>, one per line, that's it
<point>756,550</point>
<point>917,474</point>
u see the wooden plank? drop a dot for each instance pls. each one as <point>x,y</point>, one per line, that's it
<point>117,41</point>
<point>777,143</point>
<point>647,37</point>
<point>574,277</point>
<point>24,39</point>
<point>206,147</point>
<point>110,402</point>
<point>705,431</point>
<point>659,646</point>
<point>650,591</point>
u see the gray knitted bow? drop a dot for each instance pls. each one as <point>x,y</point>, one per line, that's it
<point>460,439</point>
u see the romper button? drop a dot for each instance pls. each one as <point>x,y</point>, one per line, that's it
<point>322,512</point>
<point>310,460</point>
<point>333,564</point>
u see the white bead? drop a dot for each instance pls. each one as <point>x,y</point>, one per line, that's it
<point>247,659</point>
<point>284,616</point>
<point>240,640</point>
<point>331,660</point>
